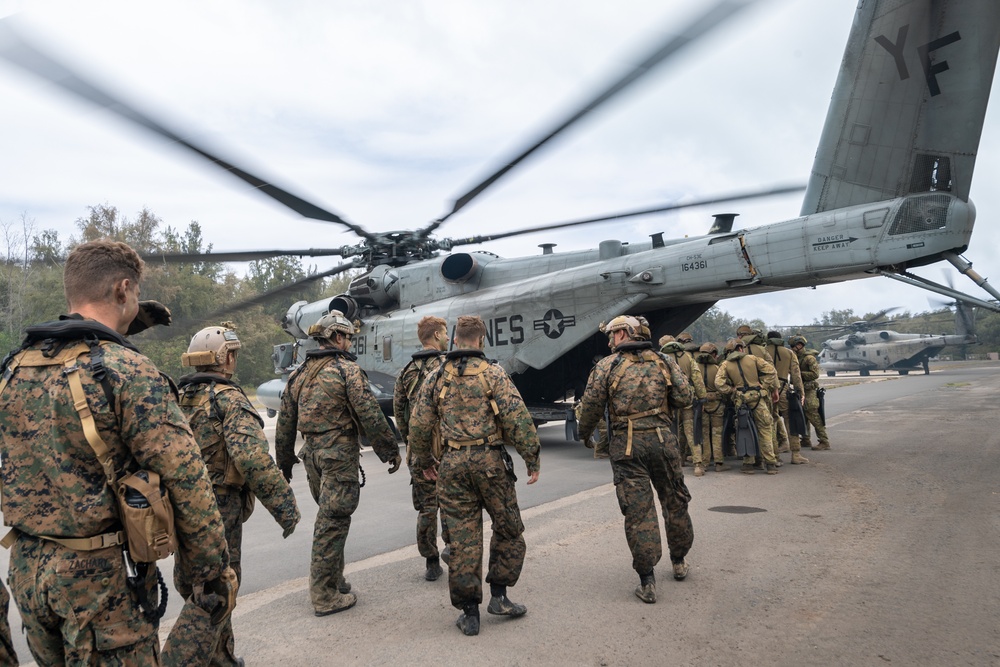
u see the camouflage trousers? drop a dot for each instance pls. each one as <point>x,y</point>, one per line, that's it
<point>425,501</point>
<point>812,418</point>
<point>76,607</point>
<point>7,654</point>
<point>711,433</point>
<point>193,635</point>
<point>685,434</point>
<point>760,407</point>
<point>779,425</point>
<point>470,481</point>
<point>333,481</point>
<point>653,466</point>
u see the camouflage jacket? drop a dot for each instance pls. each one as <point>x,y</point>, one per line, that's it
<point>757,371</point>
<point>786,364</point>
<point>328,399</point>
<point>53,483</point>
<point>809,366</point>
<point>424,363</point>
<point>466,413</point>
<point>231,436</point>
<point>630,382</point>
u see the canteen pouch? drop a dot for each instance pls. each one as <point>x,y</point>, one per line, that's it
<point>147,517</point>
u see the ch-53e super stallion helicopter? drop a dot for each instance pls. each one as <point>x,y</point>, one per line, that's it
<point>889,190</point>
<point>866,345</point>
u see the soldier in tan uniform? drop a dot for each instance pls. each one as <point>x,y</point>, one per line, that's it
<point>752,382</point>
<point>700,454</point>
<point>479,411</point>
<point>809,366</point>
<point>328,398</point>
<point>230,432</point>
<point>433,335</point>
<point>641,387</point>
<point>786,364</point>
<point>69,434</point>
<point>713,410</point>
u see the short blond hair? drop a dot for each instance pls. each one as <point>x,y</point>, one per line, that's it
<point>470,328</point>
<point>93,268</point>
<point>428,326</point>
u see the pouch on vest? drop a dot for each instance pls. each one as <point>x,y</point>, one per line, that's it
<point>147,516</point>
<point>746,433</point>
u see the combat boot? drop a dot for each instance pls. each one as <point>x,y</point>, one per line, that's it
<point>783,449</point>
<point>747,469</point>
<point>468,622</point>
<point>777,461</point>
<point>501,605</point>
<point>681,569</point>
<point>720,466</point>
<point>344,586</point>
<point>822,447</point>
<point>434,570</point>
<point>699,470</point>
<point>798,458</point>
<point>446,554</point>
<point>758,464</point>
<point>772,469</point>
<point>341,602</point>
<point>805,444</point>
<point>646,590</point>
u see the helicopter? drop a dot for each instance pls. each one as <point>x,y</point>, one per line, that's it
<point>868,347</point>
<point>889,191</point>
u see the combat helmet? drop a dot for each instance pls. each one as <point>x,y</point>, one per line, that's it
<point>672,347</point>
<point>644,332</point>
<point>211,346</point>
<point>796,339</point>
<point>626,322</point>
<point>744,330</point>
<point>709,348</point>
<point>332,323</point>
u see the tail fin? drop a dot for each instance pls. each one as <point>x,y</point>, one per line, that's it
<point>907,111</point>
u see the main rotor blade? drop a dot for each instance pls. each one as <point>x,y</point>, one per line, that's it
<point>237,256</point>
<point>628,214</point>
<point>715,16</point>
<point>268,296</point>
<point>19,52</point>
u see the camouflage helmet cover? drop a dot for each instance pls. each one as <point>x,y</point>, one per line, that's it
<point>709,348</point>
<point>211,346</point>
<point>332,323</point>
<point>795,340</point>
<point>685,337</point>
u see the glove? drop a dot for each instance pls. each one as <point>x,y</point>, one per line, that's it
<point>150,314</point>
<point>286,469</point>
<point>218,596</point>
<point>395,461</point>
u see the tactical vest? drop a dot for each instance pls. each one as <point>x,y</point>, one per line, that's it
<point>147,527</point>
<point>684,361</point>
<point>615,375</point>
<point>411,392</point>
<point>309,371</point>
<point>782,363</point>
<point>201,406</point>
<point>748,379</point>
<point>472,370</point>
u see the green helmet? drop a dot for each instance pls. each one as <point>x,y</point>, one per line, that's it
<point>332,323</point>
<point>795,340</point>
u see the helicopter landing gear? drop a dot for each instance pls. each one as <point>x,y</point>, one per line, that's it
<point>904,371</point>
<point>865,373</point>
<point>927,367</point>
<point>831,374</point>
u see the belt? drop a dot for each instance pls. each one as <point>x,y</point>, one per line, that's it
<point>756,388</point>
<point>480,448</point>
<point>479,442</point>
<point>76,543</point>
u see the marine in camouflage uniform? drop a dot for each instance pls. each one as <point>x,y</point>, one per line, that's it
<point>700,454</point>
<point>478,411</point>
<point>67,574</point>
<point>786,364</point>
<point>329,400</point>
<point>230,433</point>
<point>433,334</point>
<point>749,380</point>
<point>640,387</point>
<point>713,411</point>
<point>809,365</point>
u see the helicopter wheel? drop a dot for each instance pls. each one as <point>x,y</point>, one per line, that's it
<point>831,374</point>
<point>904,372</point>
<point>927,367</point>
<point>865,374</point>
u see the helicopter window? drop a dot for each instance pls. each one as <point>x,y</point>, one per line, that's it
<point>921,214</point>
<point>875,218</point>
<point>387,348</point>
<point>931,173</point>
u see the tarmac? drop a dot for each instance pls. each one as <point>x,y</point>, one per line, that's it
<point>881,550</point>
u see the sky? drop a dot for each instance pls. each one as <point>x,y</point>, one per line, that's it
<point>386,111</point>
